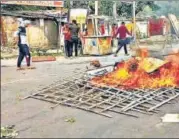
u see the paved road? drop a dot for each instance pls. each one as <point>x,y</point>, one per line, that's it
<point>34,118</point>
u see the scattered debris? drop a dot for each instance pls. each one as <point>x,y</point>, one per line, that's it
<point>8,132</point>
<point>95,63</point>
<point>78,92</point>
<point>150,74</point>
<point>18,96</point>
<point>70,120</point>
<point>100,71</point>
<point>170,118</point>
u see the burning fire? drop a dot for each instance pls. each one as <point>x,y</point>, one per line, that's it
<point>136,73</point>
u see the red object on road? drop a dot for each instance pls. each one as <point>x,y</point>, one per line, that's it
<point>43,58</point>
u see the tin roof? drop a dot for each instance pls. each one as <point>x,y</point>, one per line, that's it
<point>99,17</point>
<point>35,14</point>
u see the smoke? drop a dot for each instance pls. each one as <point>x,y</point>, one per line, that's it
<point>168,7</point>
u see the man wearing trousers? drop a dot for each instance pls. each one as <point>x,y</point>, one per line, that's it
<point>21,40</point>
<point>122,31</point>
<point>74,29</point>
<point>68,43</point>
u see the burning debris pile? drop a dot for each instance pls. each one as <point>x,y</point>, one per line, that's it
<point>107,91</point>
<point>137,85</point>
<point>144,73</point>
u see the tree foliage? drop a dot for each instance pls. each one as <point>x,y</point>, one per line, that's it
<point>23,7</point>
<point>105,7</point>
<point>126,9</point>
<point>168,7</point>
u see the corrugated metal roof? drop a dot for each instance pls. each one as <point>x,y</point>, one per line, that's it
<point>34,14</point>
<point>99,16</point>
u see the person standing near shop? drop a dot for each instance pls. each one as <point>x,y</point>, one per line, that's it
<point>102,28</point>
<point>21,40</point>
<point>113,33</point>
<point>122,31</point>
<point>74,29</point>
<point>67,40</point>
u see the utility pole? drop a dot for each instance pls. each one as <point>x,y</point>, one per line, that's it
<point>71,4</point>
<point>114,10</point>
<point>96,7</point>
<point>134,20</point>
<point>59,31</point>
<point>95,20</point>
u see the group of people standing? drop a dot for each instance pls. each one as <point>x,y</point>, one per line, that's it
<point>71,38</point>
<point>71,33</point>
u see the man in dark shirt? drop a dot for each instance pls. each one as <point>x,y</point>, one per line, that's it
<point>122,31</point>
<point>74,29</point>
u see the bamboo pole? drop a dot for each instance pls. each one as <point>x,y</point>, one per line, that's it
<point>96,7</point>
<point>114,10</point>
<point>96,24</point>
<point>60,28</point>
<point>134,20</point>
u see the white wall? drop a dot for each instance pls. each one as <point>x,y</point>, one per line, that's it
<point>143,28</point>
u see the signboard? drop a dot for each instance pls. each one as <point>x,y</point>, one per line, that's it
<point>79,15</point>
<point>97,45</point>
<point>105,45</point>
<point>91,46</point>
<point>35,3</point>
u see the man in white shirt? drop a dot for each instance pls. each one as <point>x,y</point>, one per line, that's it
<point>21,41</point>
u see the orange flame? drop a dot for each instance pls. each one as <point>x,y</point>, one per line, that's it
<point>173,58</point>
<point>130,74</point>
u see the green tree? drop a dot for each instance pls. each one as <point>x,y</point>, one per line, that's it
<point>105,7</point>
<point>168,7</point>
<point>126,8</point>
<point>23,8</point>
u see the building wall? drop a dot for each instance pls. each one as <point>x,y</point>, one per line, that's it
<point>142,27</point>
<point>41,34</point>
<point>8,27</point>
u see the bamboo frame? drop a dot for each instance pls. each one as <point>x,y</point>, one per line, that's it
<point>78,92</point>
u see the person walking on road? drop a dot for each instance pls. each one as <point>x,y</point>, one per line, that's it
<point>21,41</point>
<point>74,29</point>
<point>122,31</point>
